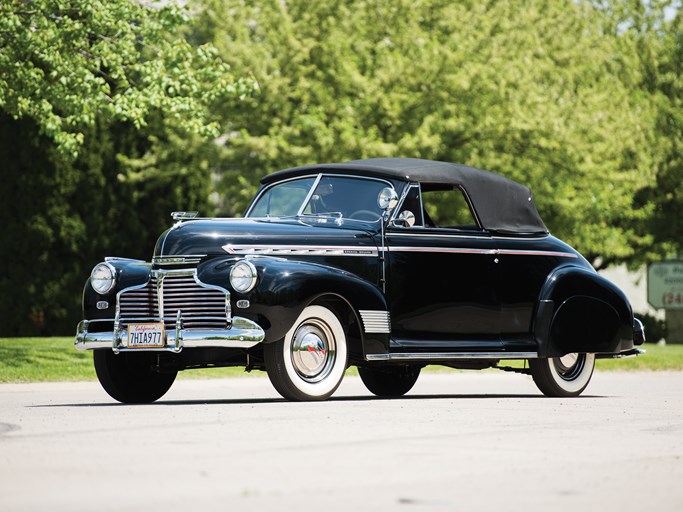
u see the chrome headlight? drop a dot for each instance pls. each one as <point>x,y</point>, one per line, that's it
<point>103,278</point>
<point>243,276</point>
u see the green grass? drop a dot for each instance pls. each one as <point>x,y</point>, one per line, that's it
<point>656,358</point>
<point>43,359</point>
<point>56,359</point>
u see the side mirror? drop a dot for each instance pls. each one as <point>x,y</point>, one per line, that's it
<point>387,199</point>
<point>405,219</point>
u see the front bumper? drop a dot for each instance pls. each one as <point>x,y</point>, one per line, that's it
<point>242,334</point>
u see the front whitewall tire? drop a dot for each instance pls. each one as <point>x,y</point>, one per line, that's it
<point>309,363</point>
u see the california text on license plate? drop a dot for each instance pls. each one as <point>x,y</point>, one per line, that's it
<point>146,335</point>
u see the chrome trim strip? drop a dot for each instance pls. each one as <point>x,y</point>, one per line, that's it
<point>418,232</point>
<point>327,250</point>
<point>455,250</point>
<point>522,237</point>
<point>375,321</point>
<point>510,252</point>
<point>300,250</point>
<point>189,259</point>
<point>160,294</point>
<point>243,334</point>
<point>449,356</point>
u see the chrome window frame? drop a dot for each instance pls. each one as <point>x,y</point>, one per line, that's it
<point>398,209</point>
<point>465,195</point>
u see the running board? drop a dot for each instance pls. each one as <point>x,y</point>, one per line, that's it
<point>449,356</point>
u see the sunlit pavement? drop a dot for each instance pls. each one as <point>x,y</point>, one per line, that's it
<point>458,441</point>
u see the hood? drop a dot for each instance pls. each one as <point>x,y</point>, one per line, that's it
<point>210,236</point>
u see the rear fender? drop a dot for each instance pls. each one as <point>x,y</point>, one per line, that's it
<point>580,311</point>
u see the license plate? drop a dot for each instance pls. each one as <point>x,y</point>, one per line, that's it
<point>146,335</point>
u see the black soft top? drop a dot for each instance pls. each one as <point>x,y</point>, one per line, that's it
<point>500,204</point>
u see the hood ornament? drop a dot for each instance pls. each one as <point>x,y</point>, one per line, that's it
<point>183,215</point>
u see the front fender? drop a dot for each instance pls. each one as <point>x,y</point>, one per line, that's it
<point>285,287</point>
<point>128,273</point>
<point>581,311</point>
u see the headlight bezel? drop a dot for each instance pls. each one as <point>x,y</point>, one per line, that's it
<point>249,276</point>
<point>111,280</point>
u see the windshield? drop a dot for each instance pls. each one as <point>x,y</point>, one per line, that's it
<point>334,196</point>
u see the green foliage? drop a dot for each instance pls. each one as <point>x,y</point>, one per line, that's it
<point>580,100</point>
<point>66,64</point>
<point>63,216</point>
<point>99,105</point>
<point>662,54</point>
<point>546,93</point>
<point>655,329</point>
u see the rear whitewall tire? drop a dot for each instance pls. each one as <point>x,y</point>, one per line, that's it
<point>310,361</point>
<point>565,376</point>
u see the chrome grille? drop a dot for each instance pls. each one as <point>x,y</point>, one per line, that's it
<point>201,307</point>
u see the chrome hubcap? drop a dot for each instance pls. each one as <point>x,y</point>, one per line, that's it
<point>313,351</point>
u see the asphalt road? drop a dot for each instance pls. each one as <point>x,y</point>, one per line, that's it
<point>458,441</point>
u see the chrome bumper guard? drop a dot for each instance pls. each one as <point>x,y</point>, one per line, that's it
<point>638,332</point>
<point>242,334</point>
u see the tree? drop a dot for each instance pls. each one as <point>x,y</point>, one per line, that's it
<point>100,103</point>
<point>67,64</point>
<point>657,29</point>
<point>61,216</point>
<point>539,91</point>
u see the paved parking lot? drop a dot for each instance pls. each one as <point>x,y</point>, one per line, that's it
<point>459,441</point>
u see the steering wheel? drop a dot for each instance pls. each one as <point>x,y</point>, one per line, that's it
<point>359,214</point>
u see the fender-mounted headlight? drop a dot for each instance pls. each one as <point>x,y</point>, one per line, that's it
<point>243,276</point>
<point>103,278</point>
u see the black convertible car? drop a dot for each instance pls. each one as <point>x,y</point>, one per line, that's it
<point>385,264</point>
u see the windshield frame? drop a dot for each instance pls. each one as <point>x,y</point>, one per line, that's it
<point>318,176</point>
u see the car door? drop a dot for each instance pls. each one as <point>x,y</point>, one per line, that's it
<point>440,274</point>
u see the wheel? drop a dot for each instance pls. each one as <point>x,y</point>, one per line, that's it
<point>368,215</point>
<point>563,376</point>
<point>130,378</point>
<point>309,362</point>
<point>389,381</point>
